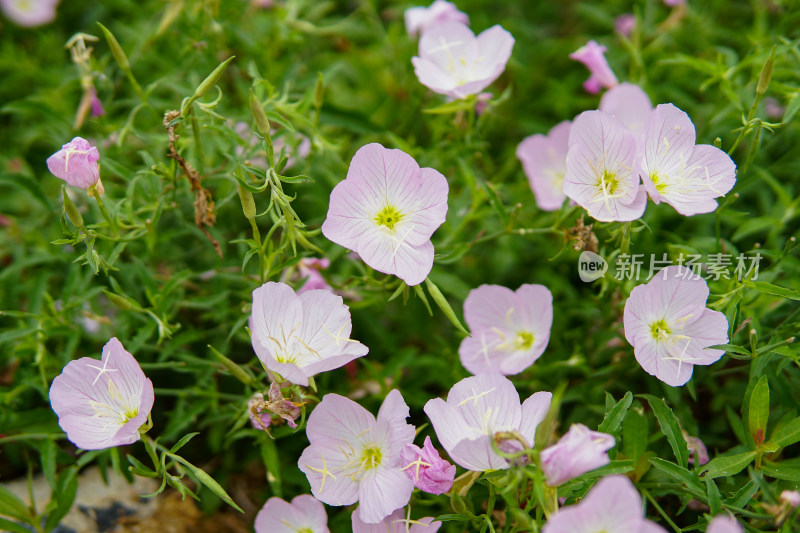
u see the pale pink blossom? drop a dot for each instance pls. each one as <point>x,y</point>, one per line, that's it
<point>698,454</point>
<point>429,472</point>
<point>397,522</point>
<point>454,62</point>
<point>612,505</point>
<point>420,19</point>
<point>76,163</point>
<point>625,24</point>
<point>478,407</point>
<point>509,330</point>
<point>629,103</point>
<point>667,323</point>
<point>386,210</point>
<point>354,457</point>
<point>103,403</point>
<point>791,497</point>
<point>544,160</point>
<point>299,336</point>
<point>675,170</point>
<point>30,13</point>
<point>577,452</point>
<point>724,524</point>
<point>309,270</point>
<point>305,514</point>
<point>601,173</point>
<point>592,56</point>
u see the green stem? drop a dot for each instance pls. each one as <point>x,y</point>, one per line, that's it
<point>103,211</point>
<point>664,515</point>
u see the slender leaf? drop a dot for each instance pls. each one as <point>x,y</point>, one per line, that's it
<point>615,416</point>
<point>670,427</point>
<point>728,466</point>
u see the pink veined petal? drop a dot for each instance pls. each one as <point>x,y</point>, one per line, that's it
<point>487,403</point>
<point>423,201</point>
<point>387,525</point>
<point>613,504</point>
<point>533,311</point>
<point>650,527</point>
<point>494,47</point>
<point>477,454</point>
<point>487,306</point>
<point>681,293</point>
<point>710,173</point>
<point>276,316</point>
<point>479,355</point>
<point>277,516</point>
<point>656,360</point>
<point>669,138</point>
<point>314,512</point>
<point>534,409</point>
<point>433,76</point>
<point>381,491</point>
<point>349,213</point>
<point>390,254</point>
<point>392,429</point>
<point>709,330</point>
<point>627,102</point>
<point>325,465</point>
<point>446,44</point>
<point>544,160</point>
<point>339,419</point>
<point>327,326</point>
<point>447,423</point>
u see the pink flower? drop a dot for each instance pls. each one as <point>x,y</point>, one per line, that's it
<point>30,13</point>
<point>305,514</point>
<point>613,504</point>
<point>454,62</point>
<point>97,105</point>
<point>299,336</point>
<point>629,103</point>
<point>674,3</point>
<point>509,330</point>
<point>592,56</point>
<point>544,159</point>
<point>674,170</point>
<point>397,522</point>
<point>386,210</point>
<point>261,410</point>
<point>478,407</point>
<point>76,163</point>
<point>601,167</point>
<point>429,472</point>
<point>309,269</point>
<point>724,524</point>
<point>792,497</point>
<point>420,19</point>
<point>698,454</point>
<point>355,458</point>
<point>577,452</point>
<point>100,406</point>
<point>625,24</point>
<point>670,328</point>
<point>483,100</point>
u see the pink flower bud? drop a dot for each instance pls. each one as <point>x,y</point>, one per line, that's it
<point>428,471</point>
<point>76,163</point>
<point>97,105</point>
<point>697,450</point>
<point>625,24</point>
<point>577,452</point>
<point>792,497</point>
<point>591,55</point>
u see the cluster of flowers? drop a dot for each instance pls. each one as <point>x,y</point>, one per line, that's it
<point>386,210</point>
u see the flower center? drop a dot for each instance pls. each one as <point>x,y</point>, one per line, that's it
<point>523,340</point>
<point>371,457</point>
<point>659,330</point>
<point>130,414</point>
<point>389,216</point>
<point>608,182</point>
<point>659,185</point>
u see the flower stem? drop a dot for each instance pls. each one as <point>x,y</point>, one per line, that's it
<point>103,211</point>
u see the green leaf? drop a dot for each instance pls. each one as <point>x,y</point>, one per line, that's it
<point>269,454</point>
<point>615,416</point>
<point>670,427</point>
<point>206,85</point>
<point>451,107</point>
<point>12,527</point>
<point>774,290</point>
<point>714,497</point>
<point>634,433</point>
<point>787,470</point>
<point>441,301</point>
<point>786,435</point>
<point>63,496</point>
<point>11,505</point>
<point>181,443</point>
<point>678,473</point>
<point>206,480</point>
<point>759,411</point>
<point>728,466</point>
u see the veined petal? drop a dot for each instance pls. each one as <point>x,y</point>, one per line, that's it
<point>326,466</point>
<point>487,306</point>
<point>326,327</point>
<point>477,454</point>
<point>656,360</point>
<point>381,491</point>
<point>709,174</point>
<point>277,316</point>
<point>669,138</point>
<point>349,212</point>
<point>627,102</point>
<point>341,419</point>
<point>708,330</point>
<point>494,51</point>
<point>534,409</point>
<point>544,160</point>
<point>393,431</point>
<point>447,45</point>
<point>390,254</point>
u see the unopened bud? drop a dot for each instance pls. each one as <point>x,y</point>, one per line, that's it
<point>248,203</point>
<point>71,210</point>
<point>766,74</point>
